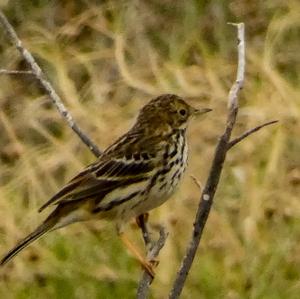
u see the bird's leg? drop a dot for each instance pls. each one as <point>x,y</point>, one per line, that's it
<point>142,223</point>
<point>146,264</point>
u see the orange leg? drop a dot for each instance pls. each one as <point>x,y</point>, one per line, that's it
<point>146,264</point>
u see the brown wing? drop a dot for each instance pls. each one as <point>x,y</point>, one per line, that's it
<point>84,180</point>
<point>105,175</point>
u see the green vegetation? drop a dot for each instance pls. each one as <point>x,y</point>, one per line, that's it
<point>107,59</point>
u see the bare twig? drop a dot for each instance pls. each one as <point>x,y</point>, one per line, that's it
<point>39,75</point>
<point>197,182</point>
<point>143,287</point>
<point>249,132</point>
<point>209,190</point>
<point>15,72</point>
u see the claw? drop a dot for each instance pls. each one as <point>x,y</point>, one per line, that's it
<point>154,262</point>
<point>149,267</point>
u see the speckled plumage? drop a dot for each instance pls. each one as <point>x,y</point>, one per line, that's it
<point>134,175</point>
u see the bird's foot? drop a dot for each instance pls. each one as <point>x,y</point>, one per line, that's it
<point>149,267</point>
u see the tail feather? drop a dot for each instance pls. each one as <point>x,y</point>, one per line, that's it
<point>38,232</point>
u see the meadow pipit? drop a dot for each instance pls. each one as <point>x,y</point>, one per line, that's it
<point>134,175</point>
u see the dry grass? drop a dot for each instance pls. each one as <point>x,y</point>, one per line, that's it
<point>106,61</point>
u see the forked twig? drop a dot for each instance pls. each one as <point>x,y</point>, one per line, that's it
<point>249,132</point>
<point>46,85</point>
<point>144,284</point>
<point>223,146</point>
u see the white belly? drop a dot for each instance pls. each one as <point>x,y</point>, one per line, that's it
<point>165,180</point>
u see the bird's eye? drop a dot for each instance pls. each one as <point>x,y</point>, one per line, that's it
<point>182,112</point>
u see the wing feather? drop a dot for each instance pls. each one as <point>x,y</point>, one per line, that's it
<point>126,161</point>
<point>101,178</point>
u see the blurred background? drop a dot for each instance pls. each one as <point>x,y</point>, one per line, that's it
<point>106,59</point>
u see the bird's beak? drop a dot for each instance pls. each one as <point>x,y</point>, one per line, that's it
<point>201,111</point>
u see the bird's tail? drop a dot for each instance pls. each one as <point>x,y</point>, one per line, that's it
<point>47,225</point>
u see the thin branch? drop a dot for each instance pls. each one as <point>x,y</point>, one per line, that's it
<point>39,75</point>
<point>197,182</point>
<point>209,190</point>
<point>15,72</point>
<point>249,132</point>
<point>146,280</point>
<point>233,93</point>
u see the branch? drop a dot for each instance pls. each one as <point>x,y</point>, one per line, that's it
<point>15,72</point>
<point>249,132</point>
<point>39,75</point>
<point>146,280</point>
<point>210,187</point>
<point>197,182</point>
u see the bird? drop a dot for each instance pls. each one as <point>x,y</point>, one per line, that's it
<point>137,173</point>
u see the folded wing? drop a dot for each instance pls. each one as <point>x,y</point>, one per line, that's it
<point>102,177</point>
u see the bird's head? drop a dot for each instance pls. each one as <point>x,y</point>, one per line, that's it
<point>168,112</point>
